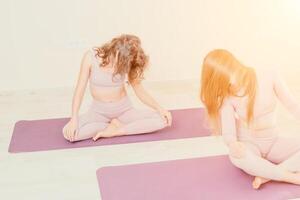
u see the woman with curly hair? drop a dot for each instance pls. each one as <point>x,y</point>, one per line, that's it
<point>107,69</point>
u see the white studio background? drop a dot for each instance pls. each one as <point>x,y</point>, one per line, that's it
<point>42,41</point>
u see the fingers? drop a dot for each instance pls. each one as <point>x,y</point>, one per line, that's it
<point>165,117</point>
<point>65,136</point>
<point>70,131</point>
<point>72,136</point>
<point>96,137</point>
<point>64,133</point>
<point>69,134</point>
<point>74,133</point>
<point>168,118</point>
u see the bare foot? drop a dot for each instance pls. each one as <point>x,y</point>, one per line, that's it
<point>116,123</point>
<point>111,130</point>
<point>258,181</point>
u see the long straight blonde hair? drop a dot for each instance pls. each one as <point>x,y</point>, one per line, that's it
<point>219,68</point>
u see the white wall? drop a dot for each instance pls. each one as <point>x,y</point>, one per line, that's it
<point>42,41</point>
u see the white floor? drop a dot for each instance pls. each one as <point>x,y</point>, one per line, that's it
<point>70,174</point>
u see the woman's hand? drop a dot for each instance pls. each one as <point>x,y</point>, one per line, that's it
<point>70,129</point>
<point>237,149</point>
<point>165,114</point>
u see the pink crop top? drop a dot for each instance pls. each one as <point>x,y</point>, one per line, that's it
<point>101,78</point>
<point>270,88</point>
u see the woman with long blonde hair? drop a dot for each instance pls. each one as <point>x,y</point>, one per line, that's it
<point>108,69</point>
<point>241,103</point>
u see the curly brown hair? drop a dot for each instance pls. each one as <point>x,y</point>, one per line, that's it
<point>129,55</point>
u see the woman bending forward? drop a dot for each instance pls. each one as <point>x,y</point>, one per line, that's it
<point>241,103</point>
<point>107,69</point>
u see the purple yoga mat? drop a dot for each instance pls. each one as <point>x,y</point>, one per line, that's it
<point>41,135</point>
<point>206,178</point>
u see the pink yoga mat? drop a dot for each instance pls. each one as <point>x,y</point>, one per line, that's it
<point>41,135</point>
<point>206,178</point>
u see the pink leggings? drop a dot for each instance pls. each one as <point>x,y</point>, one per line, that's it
<point>267,156</point>
<point>100,114</point>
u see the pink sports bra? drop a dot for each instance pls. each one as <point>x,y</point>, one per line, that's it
<point>102,78</point>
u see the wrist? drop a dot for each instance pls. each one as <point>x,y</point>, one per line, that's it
<point>74,118</point>
<point>231,143</point>
<point>159,109</point>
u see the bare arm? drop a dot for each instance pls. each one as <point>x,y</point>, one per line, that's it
<point>147,99</point>
<point>144,96</point>
<point>229,133</point>
<point>81,84</point>
<point>285,96</point>
<point>228,124</point>
<point>70,129</point>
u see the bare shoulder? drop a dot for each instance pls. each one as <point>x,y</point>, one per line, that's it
<point>266,74</point>
<point>87,55</point>
<point>87,59</point>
